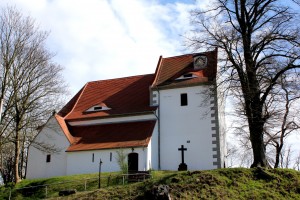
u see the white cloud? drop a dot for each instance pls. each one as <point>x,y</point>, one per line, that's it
<point>98,39</point>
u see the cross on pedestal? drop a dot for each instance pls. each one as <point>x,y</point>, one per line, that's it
<point>182,165</point>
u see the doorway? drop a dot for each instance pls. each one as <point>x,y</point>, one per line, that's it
<point>133,162</point>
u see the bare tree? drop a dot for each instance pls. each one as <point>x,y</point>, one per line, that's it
<point>259,42</point>
<point>297,163</point>
<point>31,82</point>
<point>283,118</point>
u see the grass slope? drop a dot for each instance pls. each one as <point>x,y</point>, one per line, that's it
<point>222,184</point>
<point>236,183</point>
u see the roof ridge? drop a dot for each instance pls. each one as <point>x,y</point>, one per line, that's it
<point>120,78</point>
<point>157,72</point>
<point>193,54</point>
<point>65,129</point>
<point>85,86</point>
<point>181,55</point>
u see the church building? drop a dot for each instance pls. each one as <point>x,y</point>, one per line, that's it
<point>170,120</point>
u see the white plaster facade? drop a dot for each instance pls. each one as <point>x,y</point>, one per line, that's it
<point>188,125</point>
<point>82,162</point>
<point>53,136</point>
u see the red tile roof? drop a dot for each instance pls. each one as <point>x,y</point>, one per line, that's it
<point>122,95</point>
<point>128,95</point>
<point>107,136</point>
<point>64,128</point>
<point>69,106</point>
<point>169,69</point>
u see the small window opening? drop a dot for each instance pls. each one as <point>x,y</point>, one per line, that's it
<point>98,108</point>
<point>48,158</point>
<point>188,75</point>
<point>184,99</point>
<point>93,157</point>
<point>110,156</point>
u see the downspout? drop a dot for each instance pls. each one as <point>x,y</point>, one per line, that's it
<point>158,128</point>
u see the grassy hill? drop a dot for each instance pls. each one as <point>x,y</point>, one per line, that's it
<point>235,183</point>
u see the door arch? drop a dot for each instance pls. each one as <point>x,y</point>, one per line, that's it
<point>133,162</point>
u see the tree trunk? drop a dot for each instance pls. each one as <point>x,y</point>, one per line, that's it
<point>17,145</point>
<point>17,157</point>
<point>23,158</point>
<point>277,157</point>
<point>259,151</point>
<point>256,125</point>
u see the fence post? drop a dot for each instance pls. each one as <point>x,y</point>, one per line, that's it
<point>108,180</point>
<point>85,185</point>
<point>46,191</point>
<point>123,179</point>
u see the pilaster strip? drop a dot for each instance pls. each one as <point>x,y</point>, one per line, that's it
<point>215,129</point>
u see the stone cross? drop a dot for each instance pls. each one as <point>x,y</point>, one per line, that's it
<point>182,166</point>
<point>182,149</point>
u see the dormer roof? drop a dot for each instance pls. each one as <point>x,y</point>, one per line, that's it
<point>171,68</point>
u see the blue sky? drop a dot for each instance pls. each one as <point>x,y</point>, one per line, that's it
<point>102,39</point>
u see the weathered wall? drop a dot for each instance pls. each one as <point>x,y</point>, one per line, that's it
<point>37,166</point>
<point>81,162</point>
<point>190,125</point>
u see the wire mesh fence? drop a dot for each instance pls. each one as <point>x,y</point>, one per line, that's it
<point>44,191</point>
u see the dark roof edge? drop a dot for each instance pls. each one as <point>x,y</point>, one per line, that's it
<point>164,87</point>
<point>108,148</point>
<point>113,116</point>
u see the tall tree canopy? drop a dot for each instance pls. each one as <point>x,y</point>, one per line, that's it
<point>259,41</point>
<point>30,88</point>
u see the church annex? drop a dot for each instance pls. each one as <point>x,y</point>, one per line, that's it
<point>169,120</point>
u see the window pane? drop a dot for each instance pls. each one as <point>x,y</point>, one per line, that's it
<point>48,158</point>
<point>184,100</point>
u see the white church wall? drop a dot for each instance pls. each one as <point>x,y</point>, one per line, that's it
<point>152,154</point>
<point>37,167</point>
<point>186,125</point>
<point>82,162</point>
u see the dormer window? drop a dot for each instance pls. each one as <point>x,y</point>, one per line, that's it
<point>187,76</point>
<point>99,107</point>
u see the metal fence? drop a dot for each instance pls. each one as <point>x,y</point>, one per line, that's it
<point>44,191</point>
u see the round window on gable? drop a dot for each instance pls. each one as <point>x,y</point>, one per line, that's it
<point>200,62</point>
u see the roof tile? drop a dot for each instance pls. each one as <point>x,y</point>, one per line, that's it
<point>171,68</point>
<point>64,128</point>
<point>122,95</point>
<point>106,136</point>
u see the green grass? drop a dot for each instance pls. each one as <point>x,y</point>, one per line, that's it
<point>236,183</point>
<point>36,188</point>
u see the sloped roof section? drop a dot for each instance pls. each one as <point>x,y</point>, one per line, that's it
<point>169,69</point>
<point>69,106</point>
<point>122,95</point>
<point>107,136</point>
<point>64,128</point>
